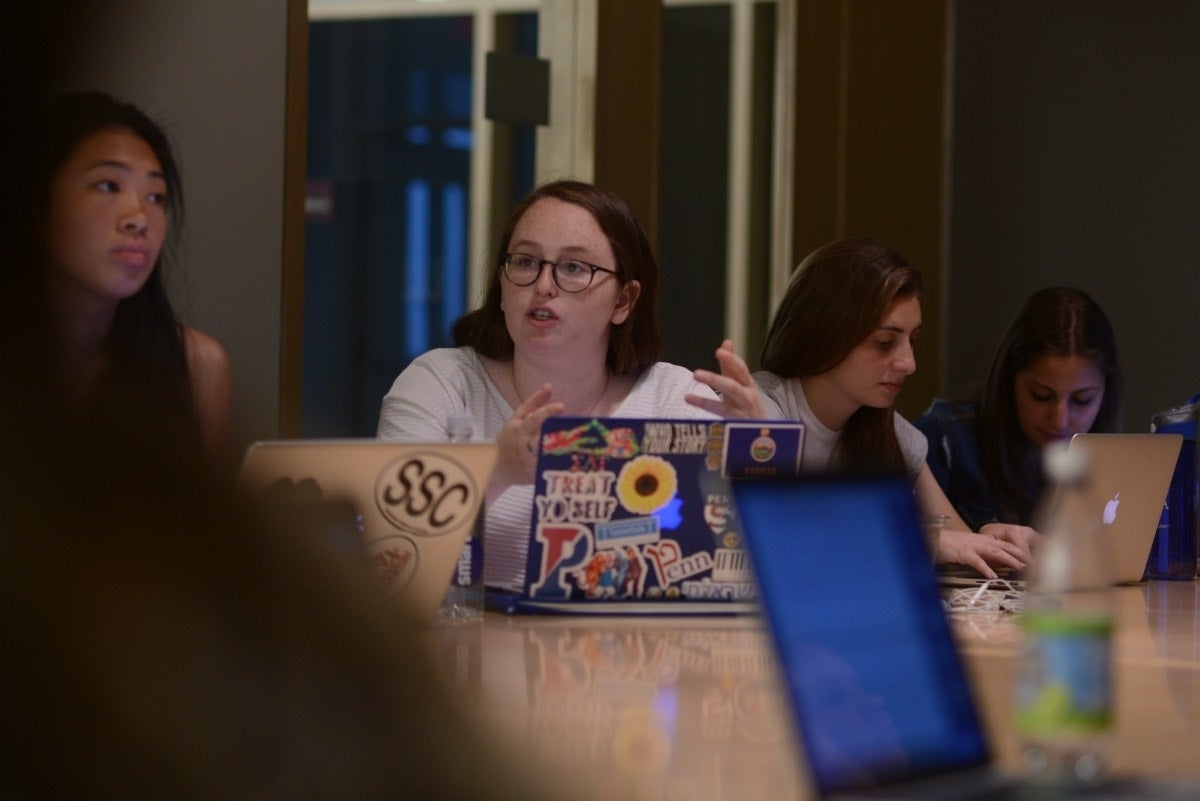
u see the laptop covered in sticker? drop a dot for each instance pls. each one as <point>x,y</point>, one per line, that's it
<point>634,516</point>
<point>413,504</point>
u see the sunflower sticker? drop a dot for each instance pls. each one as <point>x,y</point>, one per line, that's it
<point>646,484</point>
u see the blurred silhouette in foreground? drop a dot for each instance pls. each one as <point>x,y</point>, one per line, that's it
<point>164,639</point>
<point>168,642</point>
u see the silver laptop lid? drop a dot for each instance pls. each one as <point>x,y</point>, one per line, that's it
<point>417,501</point>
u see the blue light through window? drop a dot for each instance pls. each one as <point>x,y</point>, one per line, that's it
<point>457,138</point>
<point>416,269</point>
<point>454,250</point>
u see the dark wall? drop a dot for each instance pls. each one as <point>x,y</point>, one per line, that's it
<point>1076,161</point>
<point>695,179</point>
<point>870,145</point>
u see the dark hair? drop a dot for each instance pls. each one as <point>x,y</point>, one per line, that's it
<point>147,355</point>
<point>633,344</point>
<point>836,298</point>
<point>1057,321</point>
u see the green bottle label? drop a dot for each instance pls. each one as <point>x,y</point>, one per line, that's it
<point>1065,684</point>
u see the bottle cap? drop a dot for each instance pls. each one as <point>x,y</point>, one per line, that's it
<point>460,428</point>
<point>1064,464</point>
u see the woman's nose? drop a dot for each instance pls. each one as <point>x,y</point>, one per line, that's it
<point>906,361</point>
<point>1060,415</point>
<point>545,281</point>
<point>135,221</point>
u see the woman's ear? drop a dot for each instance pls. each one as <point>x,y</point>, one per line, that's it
<point>625,302</point>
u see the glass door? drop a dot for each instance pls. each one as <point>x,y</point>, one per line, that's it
<point>407,183</point>
<point>391,130</point>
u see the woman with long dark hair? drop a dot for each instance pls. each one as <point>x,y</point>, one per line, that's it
<point>837,353</point>
<point>1055,374</point>
<point>105,206</point>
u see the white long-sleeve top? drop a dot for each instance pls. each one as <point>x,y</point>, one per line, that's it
<point>453,381</point>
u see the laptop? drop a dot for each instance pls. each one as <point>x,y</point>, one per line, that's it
<point>632,516</point>
<point>415,504</point>
<point>876,687</point>
<point>1130,476</point>
<point>1127,487</point>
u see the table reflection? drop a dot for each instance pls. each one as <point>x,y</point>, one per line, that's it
<point>643,709</point>
<point>1157,673</point>
<point>691,708</point>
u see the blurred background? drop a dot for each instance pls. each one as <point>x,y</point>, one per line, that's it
<point>344,184</point>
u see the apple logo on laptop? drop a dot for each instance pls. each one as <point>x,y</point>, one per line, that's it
<point>1110,509</point>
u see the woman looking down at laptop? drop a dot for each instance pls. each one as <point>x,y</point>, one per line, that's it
<point>104,206</point>
<point>569,326</point>
<point>836,356</point>
<point>1054,375</point>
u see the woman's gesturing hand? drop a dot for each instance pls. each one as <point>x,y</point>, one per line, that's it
<point>517,441</point>
<point>740,397</point>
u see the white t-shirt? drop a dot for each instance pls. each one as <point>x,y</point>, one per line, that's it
<point>453,381</point>
<point>784,398</point>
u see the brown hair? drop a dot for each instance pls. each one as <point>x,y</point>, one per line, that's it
<point>836,298</point>
<point>633,344</point>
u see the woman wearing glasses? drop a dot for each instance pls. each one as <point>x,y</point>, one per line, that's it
<point>569,327</point>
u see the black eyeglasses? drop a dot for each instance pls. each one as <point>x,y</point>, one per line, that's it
<point>571,275</point>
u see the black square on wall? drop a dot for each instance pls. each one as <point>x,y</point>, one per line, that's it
<point>517,89</point>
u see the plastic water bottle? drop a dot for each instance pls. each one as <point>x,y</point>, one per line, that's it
<point>464,597</point>
<point>1064,698</point>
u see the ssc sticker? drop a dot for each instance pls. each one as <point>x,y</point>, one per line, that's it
<point>426,494</point>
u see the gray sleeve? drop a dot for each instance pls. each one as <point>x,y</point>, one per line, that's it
<point>772,388</point>
<point>913,445</point>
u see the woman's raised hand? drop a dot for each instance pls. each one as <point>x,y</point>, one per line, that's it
<point>517,441</point>
<point>739,396</point>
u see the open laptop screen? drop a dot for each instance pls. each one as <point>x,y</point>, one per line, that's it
<point>876,685</point>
